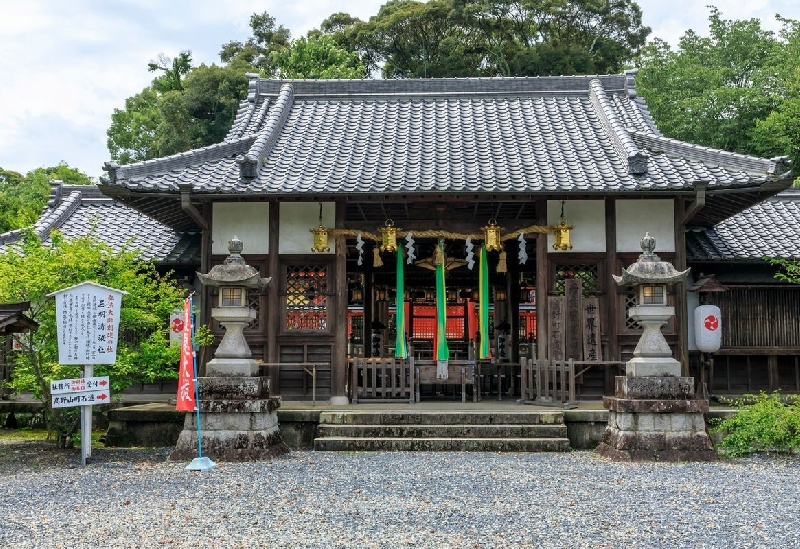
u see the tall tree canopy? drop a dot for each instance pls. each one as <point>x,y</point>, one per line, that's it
<point>735,89</point>
<point>448,38</point>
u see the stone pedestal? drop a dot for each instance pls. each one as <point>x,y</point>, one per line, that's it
<point>656,418</point>
<point>238,421</point>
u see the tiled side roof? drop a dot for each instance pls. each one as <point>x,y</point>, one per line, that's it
<point>84,209</point>
<point>768,229</point>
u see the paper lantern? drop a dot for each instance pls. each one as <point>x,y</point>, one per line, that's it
<point>707,328</point>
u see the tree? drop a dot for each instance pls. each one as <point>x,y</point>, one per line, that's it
<point>23,198</point>
<point>318,56</point>
<point>256,52</point>
<point>174,70</point>
<point>495,37</point>
<point>160,123</point>
<point>714,90</point>
<point>35,270</point>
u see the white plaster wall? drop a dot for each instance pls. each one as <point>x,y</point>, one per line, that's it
<point>588,218</point>
<point>296,220</point>
<point>247,220</point>
<point>636,217</point>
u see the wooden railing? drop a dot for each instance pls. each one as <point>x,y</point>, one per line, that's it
<point>552,382</point>
<point>382,379</point>
<point>308,372</point>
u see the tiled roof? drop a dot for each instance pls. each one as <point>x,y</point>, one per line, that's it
<point>768,229</point>
<point>77,210</point>
<point>549,135</point>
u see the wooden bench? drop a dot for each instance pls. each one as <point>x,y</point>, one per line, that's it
<point>459,372</point>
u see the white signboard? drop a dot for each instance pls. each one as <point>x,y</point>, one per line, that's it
<point>83,391</point>
<point>87,317</point>
<point>87,398</point>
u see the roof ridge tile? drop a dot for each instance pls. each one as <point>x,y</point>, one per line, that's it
<point>263,143</point>
<point>625,146</point>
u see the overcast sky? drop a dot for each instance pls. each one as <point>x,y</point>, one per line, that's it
<point>65,66</point>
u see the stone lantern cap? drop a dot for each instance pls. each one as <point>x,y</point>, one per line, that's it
<point>649,269</point>
<point>234,271</point>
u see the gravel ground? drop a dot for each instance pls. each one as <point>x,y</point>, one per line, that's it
<point>135,498</point>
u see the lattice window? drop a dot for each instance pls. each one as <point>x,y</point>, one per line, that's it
<point>586,273</point>
<point>254,302</point>
<point>630,302</point>
<point>306,297</point>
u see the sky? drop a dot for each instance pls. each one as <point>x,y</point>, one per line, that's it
<point>65,66</point>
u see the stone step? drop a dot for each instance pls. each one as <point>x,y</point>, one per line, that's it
<point>374,444</point>
<point>438,417</point>
<point>443,431</point>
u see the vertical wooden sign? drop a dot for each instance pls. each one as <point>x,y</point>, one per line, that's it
<point>555,326</point>
<point>591,329</point>
<point>573,332</point>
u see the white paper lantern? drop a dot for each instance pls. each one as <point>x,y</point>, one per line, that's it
<point>708,328</point>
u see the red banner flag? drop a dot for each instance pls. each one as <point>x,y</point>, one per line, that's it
<point>186,391</point>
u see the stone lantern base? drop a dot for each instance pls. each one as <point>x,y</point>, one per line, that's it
<point>238,421</point>
<point>656,418</point>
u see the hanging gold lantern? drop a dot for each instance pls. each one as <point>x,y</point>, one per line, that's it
<point>561,232</point>
<point>491,236</point>
<point>320,235</point>
<point>388,237</point>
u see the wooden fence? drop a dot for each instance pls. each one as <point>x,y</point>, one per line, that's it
<point>382,379</point>
<point>553,382</point>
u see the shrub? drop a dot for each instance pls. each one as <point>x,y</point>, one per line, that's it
<point>763,422</point>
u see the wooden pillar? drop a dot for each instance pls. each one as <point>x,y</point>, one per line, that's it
<point>205,291</point>
<point>611,313</point>
<point>681,314</point>
<point>339,354</point>
<point>273,303</point>
<point>542,281</point>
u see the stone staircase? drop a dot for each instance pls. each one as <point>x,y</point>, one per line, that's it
<point>518,431</point>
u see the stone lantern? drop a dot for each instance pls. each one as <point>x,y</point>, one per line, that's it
<point>233,278</point>
<point>238,418</point>
<point>654,414</point>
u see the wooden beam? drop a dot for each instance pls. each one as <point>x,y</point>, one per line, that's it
<point>610,314</point>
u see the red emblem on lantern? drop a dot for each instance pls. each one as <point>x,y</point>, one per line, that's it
<point>711,323</point>
<point>177,325</point>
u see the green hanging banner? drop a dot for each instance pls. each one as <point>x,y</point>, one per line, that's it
<point>483,305</point>
<point>400,348</point>
<point>442,349</point>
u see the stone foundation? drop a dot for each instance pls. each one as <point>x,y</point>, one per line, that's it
<point>656,419</point>
<point>238,422</point>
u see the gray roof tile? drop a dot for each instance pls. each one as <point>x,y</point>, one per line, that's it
<point>474,135</point>
<point>768,229</point>
<point>78,210</point>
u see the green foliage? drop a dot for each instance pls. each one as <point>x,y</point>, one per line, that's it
<point>23,198</point>
<point>447,38</point>
<point>143,353</point>
<point>256,52</point>
<point>763,422</point>
<point>318,56</point>
<point>788,270</point>
<point>736,89</point>
<point>174,116</point>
